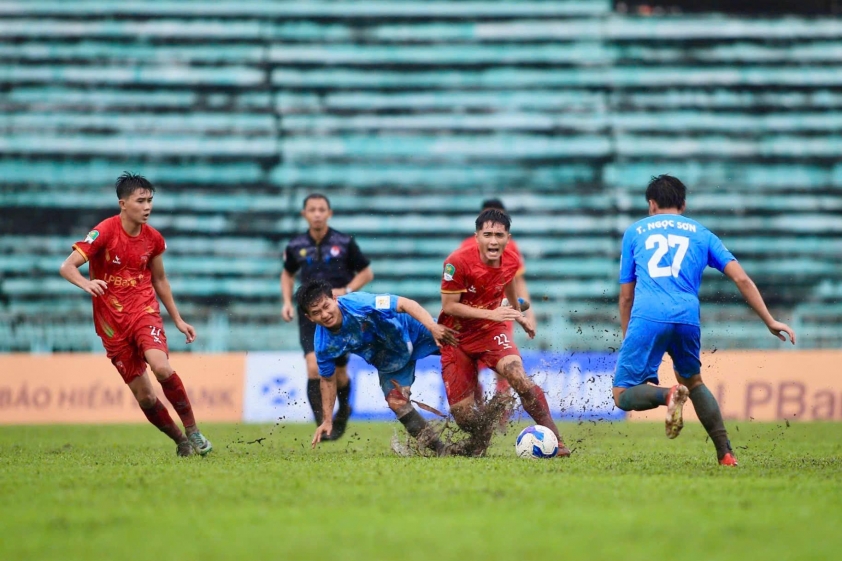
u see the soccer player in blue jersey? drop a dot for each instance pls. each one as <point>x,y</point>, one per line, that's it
<point>661,267</point>
<point>390,332</point>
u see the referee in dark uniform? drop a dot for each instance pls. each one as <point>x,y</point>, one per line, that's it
<point>322,253</point>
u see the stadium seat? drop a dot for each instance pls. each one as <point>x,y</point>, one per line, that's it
<point>408,115</point>
<point>368,8</point>
<point>553,101</point>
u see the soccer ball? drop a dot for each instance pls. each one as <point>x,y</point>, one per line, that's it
<point>536,442</point>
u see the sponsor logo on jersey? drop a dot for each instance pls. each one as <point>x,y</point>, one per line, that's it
<point>119,281</point>
<point>92,235</point>
<point>382,302</point>
<point>449,271</point>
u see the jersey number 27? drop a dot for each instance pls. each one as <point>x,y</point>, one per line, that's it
<point>661,245</point>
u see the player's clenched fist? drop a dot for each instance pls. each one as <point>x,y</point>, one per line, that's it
<point>288,312</point>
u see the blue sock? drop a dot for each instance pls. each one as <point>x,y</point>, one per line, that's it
<point>642,398</point>
<point>711,417</point>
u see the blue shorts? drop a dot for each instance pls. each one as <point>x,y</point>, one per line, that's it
<point>644,347</point>
<point>423,346</point>
<point>404,377</point>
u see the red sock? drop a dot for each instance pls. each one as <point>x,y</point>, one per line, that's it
<point>535,403</point>
<point>160,417</point>
<point>478,393</point>
<point>502,385</point>
<point>176,394</point>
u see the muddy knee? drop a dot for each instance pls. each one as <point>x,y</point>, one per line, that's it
<point>691,382</point>
<point>398,401</point>
<point>514,373</point>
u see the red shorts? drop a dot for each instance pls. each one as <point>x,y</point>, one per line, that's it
<point>459,365</point>
<point>127,349</point>
<point>509,330</point>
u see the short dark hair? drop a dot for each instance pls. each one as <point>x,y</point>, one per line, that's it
<point>495,216</point>
<point>130,182</point>
<point>313,196</point>
<point>311,293</point>
<point>667,191</point>
<point>493,203</point>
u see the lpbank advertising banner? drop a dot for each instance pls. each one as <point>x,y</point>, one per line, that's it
<point>86,388</point>
<point>766,386</point>
<point>578,386</point>
<point>271,387</point>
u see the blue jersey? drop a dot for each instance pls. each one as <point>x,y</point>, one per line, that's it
<point>373,329</point>
<point>666,255</point>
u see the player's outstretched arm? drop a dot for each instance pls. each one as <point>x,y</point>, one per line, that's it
<point>626,303</point>
<point>443,335</point>
<point>287,284</point>
<point>328,387</point>
<point>69,270</point>
<point>162,288</point>
<point>748,289</point>
<point>451,305</point>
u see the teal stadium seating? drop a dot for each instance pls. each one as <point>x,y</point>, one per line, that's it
<point>408,114</point>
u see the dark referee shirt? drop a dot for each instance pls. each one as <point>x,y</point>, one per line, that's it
<point>336,259</point>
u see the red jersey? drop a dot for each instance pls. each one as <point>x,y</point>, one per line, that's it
<point>472,242</point>
<point>122,261</point>
<point>481,286</point>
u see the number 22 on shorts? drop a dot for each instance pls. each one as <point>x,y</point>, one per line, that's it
<point>503,341</point>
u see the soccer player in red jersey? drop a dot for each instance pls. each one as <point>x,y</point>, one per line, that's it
<point>521,290</point>
<point>127,278</point>
<point>475,281</point>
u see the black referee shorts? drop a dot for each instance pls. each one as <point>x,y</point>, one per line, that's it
<point>307,337</point>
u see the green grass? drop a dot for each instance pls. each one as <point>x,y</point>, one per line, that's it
<point>119,492</point>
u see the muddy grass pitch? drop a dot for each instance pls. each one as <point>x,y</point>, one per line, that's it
<point>119,492</point>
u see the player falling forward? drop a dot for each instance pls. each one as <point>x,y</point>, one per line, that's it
<point>127,273</point>
<point>475,281</point>
<point>390,332</point>
<point>660,274</point>
<point>325,254</point>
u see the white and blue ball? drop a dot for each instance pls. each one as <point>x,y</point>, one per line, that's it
<point>536,442</point>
